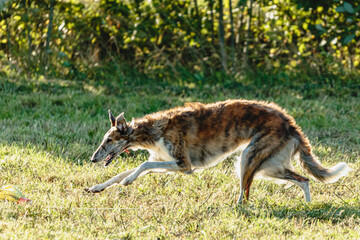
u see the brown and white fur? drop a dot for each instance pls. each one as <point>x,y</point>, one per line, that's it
<point>197,136</point>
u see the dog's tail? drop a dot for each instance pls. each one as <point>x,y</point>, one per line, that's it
<point>313,166</point>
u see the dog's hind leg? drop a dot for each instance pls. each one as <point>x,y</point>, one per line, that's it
<point>259,151</point>
<point>115,180</point>
<point>302,182</point>
<point>240,166</point>
<point>293,177</point>
<point>242,170</point>
<point>279,167</point>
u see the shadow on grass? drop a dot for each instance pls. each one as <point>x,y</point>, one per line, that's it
<point>317,211</point>
<point>258,86</point>
<point>22,86</point>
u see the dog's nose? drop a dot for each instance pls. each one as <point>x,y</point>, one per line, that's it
<point>94,158</point>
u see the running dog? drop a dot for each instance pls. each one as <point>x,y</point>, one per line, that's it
<point>262,136</point>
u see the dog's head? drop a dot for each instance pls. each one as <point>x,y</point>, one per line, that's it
<point>115,141</point>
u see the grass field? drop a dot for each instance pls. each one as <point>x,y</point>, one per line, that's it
<point>50,128</point>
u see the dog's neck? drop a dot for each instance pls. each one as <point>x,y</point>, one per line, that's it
<point>147,132</point>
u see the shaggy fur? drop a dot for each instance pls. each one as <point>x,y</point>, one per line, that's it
<point>197,136</point>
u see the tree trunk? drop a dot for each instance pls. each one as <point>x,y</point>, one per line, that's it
<point>8,36</point>
<point>49,32</point>
<point>28,31</point>
<point>211,6</point>
<point>222,36</point>
<point>232,39</point>
<point>247,37</point>
<point>198,20</point>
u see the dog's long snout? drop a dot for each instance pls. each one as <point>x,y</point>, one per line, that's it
<point>94,158</point>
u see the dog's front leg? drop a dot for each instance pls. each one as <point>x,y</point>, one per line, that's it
<point>117,179</point>
<point>147,167</point>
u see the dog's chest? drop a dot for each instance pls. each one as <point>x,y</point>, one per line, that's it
<point>161,151</point>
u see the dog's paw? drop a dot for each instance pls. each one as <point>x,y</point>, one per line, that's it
<point>95,189</point>
<point>127,181</point>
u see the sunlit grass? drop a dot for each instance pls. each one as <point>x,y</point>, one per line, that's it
<point>49,130</point>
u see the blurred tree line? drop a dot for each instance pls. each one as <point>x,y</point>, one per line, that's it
<point>163,38</point>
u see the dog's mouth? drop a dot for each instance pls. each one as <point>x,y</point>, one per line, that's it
<point>109,159</point>
<point>112,156</point>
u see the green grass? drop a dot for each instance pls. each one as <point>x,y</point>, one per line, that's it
<point>50,128</point>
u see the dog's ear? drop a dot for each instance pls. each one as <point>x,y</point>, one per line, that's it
<point>130,127</point>
<point>112,119</point>
<point>120,123</point>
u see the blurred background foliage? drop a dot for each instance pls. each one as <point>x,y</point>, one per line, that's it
<point>190,40</point>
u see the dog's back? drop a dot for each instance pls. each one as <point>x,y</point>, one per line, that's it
<point>213,131</point>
